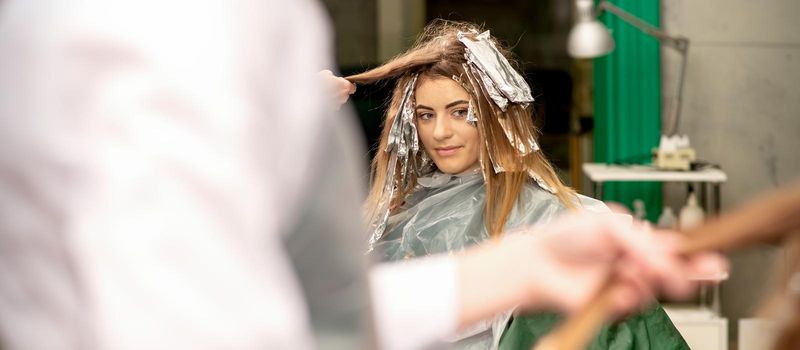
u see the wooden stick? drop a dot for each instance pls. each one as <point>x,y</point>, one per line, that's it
<point>764,219</point>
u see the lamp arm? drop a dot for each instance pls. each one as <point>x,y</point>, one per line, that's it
<point>676,42</point>
<point>678,99</point>
<point>679,43</point>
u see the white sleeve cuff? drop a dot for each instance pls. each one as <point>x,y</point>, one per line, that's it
<point>415,302</point>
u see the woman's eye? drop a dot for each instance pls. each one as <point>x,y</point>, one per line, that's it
<point>424,116</point>
<point>460,113</point>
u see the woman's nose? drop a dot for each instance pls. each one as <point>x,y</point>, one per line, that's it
<point>442,129</point>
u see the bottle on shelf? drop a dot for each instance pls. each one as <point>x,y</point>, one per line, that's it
<point>667,219</point>
<point>691,214</point>
<point>639,212</point>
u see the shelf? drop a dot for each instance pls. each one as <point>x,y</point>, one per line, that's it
<point>598,172</point>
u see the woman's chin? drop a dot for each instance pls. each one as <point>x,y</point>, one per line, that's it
<point>452,169</point>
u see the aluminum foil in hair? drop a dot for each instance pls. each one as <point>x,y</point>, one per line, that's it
<point>497,168</point>
<point>472,76</point>
<point>523,146</point>
<point>499,99</point>
<point>480,79</point>
<point>402,146</point>
<point>403,134</point>
<point>540,181</point>
<point>426,163</point>
<point>502,82</point>
<point>471,118</point>
<point>377,223</point>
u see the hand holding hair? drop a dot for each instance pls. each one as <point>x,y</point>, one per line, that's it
<point>341,87</point>
<point>768,218</point>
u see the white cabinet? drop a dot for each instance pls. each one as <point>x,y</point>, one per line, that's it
<point>700,327</point>
<point>757,333</point>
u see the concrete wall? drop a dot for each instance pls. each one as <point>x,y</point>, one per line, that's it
<point>741,110</point>
<point>399,24</point>
<point>355,26</point>
<point>372,31</point>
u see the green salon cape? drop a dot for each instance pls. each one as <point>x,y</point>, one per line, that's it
<point>445,214</point>
<point>649,330</point>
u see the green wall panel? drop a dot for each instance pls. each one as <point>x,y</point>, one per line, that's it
<point>627,103</point>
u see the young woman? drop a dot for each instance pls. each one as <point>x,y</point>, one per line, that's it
<point>458,164</point>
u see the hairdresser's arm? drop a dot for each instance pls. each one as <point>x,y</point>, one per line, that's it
<point>558,267</point>
<point>562,265</point>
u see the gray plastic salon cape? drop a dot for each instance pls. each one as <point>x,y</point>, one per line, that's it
<point>445,214</point>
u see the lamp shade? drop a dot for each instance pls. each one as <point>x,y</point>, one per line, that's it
<point>588,38</point>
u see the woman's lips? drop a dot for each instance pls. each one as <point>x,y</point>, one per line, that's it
<point>447,151</point>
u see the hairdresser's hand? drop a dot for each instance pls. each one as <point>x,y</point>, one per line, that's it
<point>569,260</point>
<point>563,265</point>
<point>340,87</point>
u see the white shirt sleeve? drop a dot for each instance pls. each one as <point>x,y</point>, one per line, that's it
<point>415,303</point>
<point>152,156</point>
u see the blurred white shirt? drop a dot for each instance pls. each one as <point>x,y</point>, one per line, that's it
<point>172,176</point>
<point>155,155</point>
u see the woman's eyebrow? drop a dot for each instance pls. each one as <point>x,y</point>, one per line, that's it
<point>423,107</point>
<point>455,103</point>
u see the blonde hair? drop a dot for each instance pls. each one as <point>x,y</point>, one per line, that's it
<point>438,52</point>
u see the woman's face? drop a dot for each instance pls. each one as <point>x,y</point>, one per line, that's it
<point>441,114</point>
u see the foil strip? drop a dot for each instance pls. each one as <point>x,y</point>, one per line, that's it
<point>377,223</point>
<point>483,172</point>
<point>471,118</point>
<point>494,66</point>
<point>491,89</point>
<point>472,72</point>
<point>524,147</point>
<point>496,167</point>
<point>425,163</point>
<point>403,134</point>
<point>402,145</point>
<point>411,128</point>
<point>540,181</point>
